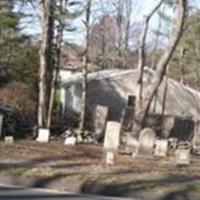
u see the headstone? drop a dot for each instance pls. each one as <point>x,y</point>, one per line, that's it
<point>182,154</point>
<point>131,144</point>
<point>182,157</point>
<point>111,140</point>
<point>9,140</point>
<point>110,157</point>
<point>101,114</point>
<point>112,134</point>
<point>1,124</point>
<point>161,147</point>
<point>146,141</point>
<point>70,141</point>
<point>43,135</point>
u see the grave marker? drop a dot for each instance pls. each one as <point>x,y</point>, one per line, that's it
<point>161,147</point>
<point>146,141</point>
<point>71,141</point>
<point>182,154</point>
<point>9,140</point>
<point>132,145</point>
<point>111,140</point>
<point>43,135</point>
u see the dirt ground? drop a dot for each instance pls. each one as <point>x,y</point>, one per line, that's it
<point>82,169</point>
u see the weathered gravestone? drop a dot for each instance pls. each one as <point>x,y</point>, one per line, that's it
<point>110,157</point>
<point>111,140</point>
<point>101,114</point>
<point>43,135</point>
<point>71,141</point>
<point>146,141</point>
<point>161,147</point>
<point>182,154</point>
<point>9,140</point>
<point>131,144</point>
<point>1,124</point>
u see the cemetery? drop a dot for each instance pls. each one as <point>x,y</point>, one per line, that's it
<point>100,99</point>
<point>116,155</point>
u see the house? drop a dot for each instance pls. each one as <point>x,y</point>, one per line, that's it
<point>112,87</point>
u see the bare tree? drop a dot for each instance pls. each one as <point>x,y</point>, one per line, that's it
<point>163,63</point>
<point>61,5</point>
<point>128,12</point>
<point>141,52</point>
<point>46,16</point>
<point>85,69</point>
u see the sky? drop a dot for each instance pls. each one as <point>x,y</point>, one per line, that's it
<point>31,26</point>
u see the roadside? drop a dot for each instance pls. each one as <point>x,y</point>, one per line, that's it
<point>81,169</point>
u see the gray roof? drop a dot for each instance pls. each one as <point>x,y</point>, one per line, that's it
<point>103,74</point>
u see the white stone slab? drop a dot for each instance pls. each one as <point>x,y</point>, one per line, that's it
<point>132,144</point>
<point>43,135</point>
<point>71,141</point>
<point>110,157</point>
<point>112,135</point>
<point>161,147</point>
<point>182,157</point>
<point>9,140</point>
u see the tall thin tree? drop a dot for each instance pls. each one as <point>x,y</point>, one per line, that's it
<point>60,20</point>
<point>85,68</point>
<point>163,63</point>
<point>142,54</point>
<point>46,16</point>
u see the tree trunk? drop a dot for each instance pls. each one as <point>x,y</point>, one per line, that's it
<point>59,39</point>
<point>164,98</point>
<point>45,9</point>
<point>162,65</point>
<point>142,55</point>
<point>119,18</point>
<point>128,10</point>
<point>85,69</point>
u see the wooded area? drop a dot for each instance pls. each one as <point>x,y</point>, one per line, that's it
<point>124,74</point>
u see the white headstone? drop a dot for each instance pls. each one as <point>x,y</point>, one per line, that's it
<point>9,140</point>
<point>147,140</point>
<point>182,157</point>
<point>110,157</point>
<point>132,144</point>
<point>112,135</point>
<point>70,141</point>
<point>43,135</point>
<point>182,154</point>
<point>161,147</point>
